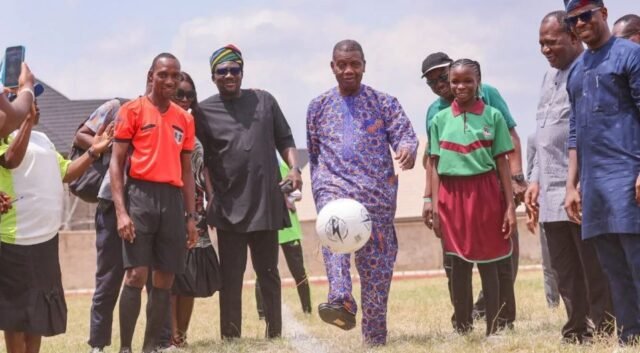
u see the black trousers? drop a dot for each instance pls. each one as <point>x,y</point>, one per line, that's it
<point>497,287</point>
<point>295,261</point>
<point>263,246</point>
<point>508,312</point>
<point>109,275</point>
<point>581,281</point>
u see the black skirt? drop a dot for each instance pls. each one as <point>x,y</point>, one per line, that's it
<point>31,293</point>
<point>201,277</point>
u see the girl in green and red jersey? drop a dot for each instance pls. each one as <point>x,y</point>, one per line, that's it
<point>473,215</point>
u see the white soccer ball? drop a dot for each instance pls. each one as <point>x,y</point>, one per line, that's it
<point>343,225</point>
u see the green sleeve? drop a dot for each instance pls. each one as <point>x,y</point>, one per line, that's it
<point>63,164</point>
<point>493,98</point>
<point>434,137</point>
<point>431,113</point>
<point>502,139</point>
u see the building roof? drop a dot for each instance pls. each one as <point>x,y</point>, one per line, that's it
<point>61,116</point>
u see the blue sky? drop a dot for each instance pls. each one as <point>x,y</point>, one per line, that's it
<point>91,49</point>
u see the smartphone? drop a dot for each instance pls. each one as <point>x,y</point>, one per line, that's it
<point>13,58</point>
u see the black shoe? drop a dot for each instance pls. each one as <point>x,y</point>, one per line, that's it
<point>336,314</point>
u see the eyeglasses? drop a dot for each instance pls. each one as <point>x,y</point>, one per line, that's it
<point>442,78</point>
<point>182,94</point>
<point>584,17</point>
<point>223,71</point>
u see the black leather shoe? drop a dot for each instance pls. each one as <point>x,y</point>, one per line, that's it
<point>337,315</point>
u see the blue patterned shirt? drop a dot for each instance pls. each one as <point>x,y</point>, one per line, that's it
<point>348,138</point>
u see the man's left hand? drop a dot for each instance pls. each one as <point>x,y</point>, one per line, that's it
<point>519,188</point>
<point>296,178</point>
<point>405,159</point>
<point>192,233</point>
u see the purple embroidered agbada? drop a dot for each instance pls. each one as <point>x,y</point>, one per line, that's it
<point>348,138</point>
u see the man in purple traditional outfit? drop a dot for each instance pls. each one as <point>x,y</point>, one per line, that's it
<point>349,130</point>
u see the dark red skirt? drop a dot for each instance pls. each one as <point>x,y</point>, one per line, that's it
<point>471,210</point>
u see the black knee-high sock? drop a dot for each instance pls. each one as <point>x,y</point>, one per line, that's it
<point>159,301</point>
<point>129,311</point>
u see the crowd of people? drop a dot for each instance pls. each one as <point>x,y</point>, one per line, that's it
<point>176,168</point>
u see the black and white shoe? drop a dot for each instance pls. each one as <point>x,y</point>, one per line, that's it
<point>337,315</point>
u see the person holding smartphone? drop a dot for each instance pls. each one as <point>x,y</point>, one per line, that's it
<point>32,301</point>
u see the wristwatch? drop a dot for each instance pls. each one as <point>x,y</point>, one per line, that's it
<point>193,215</point>
<point>518,178</point>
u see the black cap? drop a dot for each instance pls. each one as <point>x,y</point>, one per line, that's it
<point>434,61</point>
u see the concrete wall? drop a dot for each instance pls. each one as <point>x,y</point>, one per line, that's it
<point>419,250</point>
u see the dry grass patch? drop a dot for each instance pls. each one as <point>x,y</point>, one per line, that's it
<point>418,320</point>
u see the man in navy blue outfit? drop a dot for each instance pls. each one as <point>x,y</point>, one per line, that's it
<point>604,151</point>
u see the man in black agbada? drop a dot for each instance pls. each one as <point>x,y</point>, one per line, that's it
<point>241,131</point>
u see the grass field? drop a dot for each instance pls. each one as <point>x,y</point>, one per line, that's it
<point>418,321</point>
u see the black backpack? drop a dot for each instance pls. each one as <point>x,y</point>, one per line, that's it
<point>86,187</point>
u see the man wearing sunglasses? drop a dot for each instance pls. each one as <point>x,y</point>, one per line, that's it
<point>241,130</point>
<point>581,281</point>
<point>628,27</point>
<point>604,155</point>
<point>435,68</point>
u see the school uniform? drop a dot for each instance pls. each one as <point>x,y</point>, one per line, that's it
<point>471,205</point>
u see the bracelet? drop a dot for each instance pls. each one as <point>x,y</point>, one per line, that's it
<point>427,199</point>
<point>26,89</point>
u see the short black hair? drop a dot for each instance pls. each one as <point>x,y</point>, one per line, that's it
<point>628,18</point>
<point>561,17</point>
<point>632,24</point>
<point>348,45</point>
<point>161,56</point>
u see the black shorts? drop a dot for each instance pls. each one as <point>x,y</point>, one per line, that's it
<point>157,212</point>
<point>31,294</point>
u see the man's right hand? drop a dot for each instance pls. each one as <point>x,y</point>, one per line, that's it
<point>573,205</point>
<point>126,230</point>
<point>26,79</point>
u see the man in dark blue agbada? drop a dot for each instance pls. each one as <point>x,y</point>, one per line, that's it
<point>604,143</point>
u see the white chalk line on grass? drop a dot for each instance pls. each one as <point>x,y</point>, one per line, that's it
<point>297,334</point>
<point>323,279</point>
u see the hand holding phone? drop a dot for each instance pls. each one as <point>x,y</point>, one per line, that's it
<point>13,65</point>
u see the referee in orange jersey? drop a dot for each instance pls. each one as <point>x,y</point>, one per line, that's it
<point>151,204</point>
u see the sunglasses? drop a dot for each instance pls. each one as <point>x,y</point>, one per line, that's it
<point>584,17</point>
<point>182,94</point>
<point>442,78</point>
<point>223,71</point>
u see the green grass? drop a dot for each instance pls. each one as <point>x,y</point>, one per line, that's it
<point>418,321</point>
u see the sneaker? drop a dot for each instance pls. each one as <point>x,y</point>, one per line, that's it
<point>97,350</point>
<point>337,315</point>
<point>125,350</point>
